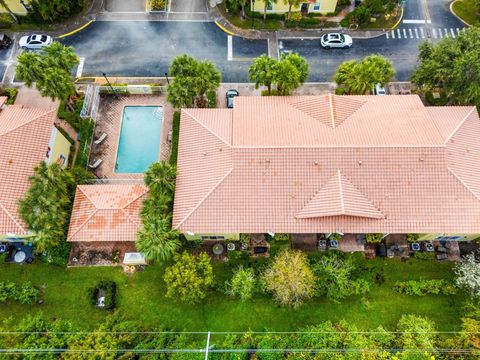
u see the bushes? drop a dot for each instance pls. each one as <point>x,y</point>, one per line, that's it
<point>424,287</point>
<point>374,238</point>
<point>11,93</point>
<point>211,99</point>
<point>175,135</point>
<point>25,294</point>
<point>109,289</point>
<point>242,284</point>
<point>157,4</point>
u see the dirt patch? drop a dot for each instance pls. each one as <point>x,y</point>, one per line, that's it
<point>97,253</point>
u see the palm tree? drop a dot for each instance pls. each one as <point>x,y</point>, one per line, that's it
<point>56,84</point>
<point>207,78</point>
<point>156,239</point>
<point>181,92</point>
<point>160,178</point>
<point>300,64</point>
<point>183,65</point>
<point>291,3</point>
<point>262,72</point>
<point>287,77</point>
<point>29,67</point>
<point>61,56</point>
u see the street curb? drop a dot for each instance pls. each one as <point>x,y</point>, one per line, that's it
<point>398,22</point>
<point>223,28</point>
<point>458,17</point>
<point>76,30</point>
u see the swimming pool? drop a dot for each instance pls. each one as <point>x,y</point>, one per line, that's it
<point>139,138</point>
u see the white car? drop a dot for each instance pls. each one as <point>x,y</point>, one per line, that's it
<point>35,41</point>
<point>336,40</point>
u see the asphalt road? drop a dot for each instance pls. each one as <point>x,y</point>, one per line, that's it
<point>140,48</point>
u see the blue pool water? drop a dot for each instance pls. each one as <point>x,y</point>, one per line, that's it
<point>139,138</point>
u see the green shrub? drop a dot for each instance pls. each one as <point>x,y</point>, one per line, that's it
<point>25,294</point>
<point>242,284</point>
<point>281,237</point>
<point>212,99</point>
<point>424,287</point>
<point>6,19</point>
<point>295,16</point>
<point>374,238</point>
<point>245,238</point>
<point>11,93</point>
<point>157,4</point>
<point>335,236</point>
<point>344,2</point>
<point>424,255</point>
<point>175,135</point>
<point>412,238</point>
<point>110,290</point>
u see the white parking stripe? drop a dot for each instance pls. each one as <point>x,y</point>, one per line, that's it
<point>404,33</point>
<point>422,33</point>
<point>440,34</point>
<point>386,34</point>
<point>393,34</point>
<point>80,67</point>
<point>458,31</point>
<point>446,32</point>
<point>398,33</point>
<point>413,21</point>
<point>453,34</point>
<point>410,33</point>
<point>416,33</point>
<point>229,48</point>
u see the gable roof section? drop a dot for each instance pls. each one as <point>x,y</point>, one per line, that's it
<point>200,145</point>
<point>386,168</point>
<point>24,137</point>
<point>339,197</point>
<point>106,212</point>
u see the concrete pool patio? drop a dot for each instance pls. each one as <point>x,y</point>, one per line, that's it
<point>109,121</point>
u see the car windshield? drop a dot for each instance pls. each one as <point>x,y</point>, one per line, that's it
<point>44,38</point>
<point>29,39</point>
<point>342,38</point>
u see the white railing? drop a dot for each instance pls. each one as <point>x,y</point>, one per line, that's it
<point>85,113</point>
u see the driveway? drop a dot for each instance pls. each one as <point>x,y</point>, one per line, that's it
<point>139,48</point>
<point>188,6</point>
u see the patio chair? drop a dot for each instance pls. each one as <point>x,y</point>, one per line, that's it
<point>100,139</point>
<point>96,163</point>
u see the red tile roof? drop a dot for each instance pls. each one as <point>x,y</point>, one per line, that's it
<point>106,212</point>
<point>313,164</point>
<point>24,137</point>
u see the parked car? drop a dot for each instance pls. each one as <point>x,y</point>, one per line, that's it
<point>35,41</point>
<point>230,95</point>
<point>336,40</point>
<point>379,90</point>
<point>5,41</point>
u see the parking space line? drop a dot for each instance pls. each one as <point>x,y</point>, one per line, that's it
<point>386,34</point>
<point>416,33</point>
<point>410,33</point>
<point>404,33</point>
<point>446,32</point>
<point>393,34</point>
<point>422,33</point>
<point>80,67</point>
<point>458,31</point>
<point>453,34</point>
<point>398,33</point>
<point>229,48</point>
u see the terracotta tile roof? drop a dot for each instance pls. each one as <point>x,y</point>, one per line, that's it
<point>106,212</point>
<point>390,165</point>
<point>339,197</point>
<point>24,137</point>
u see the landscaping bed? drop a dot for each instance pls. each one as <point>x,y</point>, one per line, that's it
<point>468,11</point>
<point>141,296</point>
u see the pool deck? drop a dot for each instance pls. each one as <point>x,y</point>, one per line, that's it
<point>109,121</point>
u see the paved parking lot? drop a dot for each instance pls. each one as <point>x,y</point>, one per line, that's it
<point>140,48</point>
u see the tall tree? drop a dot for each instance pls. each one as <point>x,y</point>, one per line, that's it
<point>50,71</point>
<point>47,204</point>
<point>262,72</point>
<point>55,10</point>
<point>291,3</point>
<point>156,239</point>
<point>160,177</point>
<point>287,77</point>
<point>290,278</point>
<point>453,65</point>
<point>360,78</point>
<point>300,64</point>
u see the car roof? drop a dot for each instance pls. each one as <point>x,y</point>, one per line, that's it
<point>333,36</point>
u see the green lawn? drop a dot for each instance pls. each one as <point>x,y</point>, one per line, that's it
<point>141,296</point>
<point>468,10</point>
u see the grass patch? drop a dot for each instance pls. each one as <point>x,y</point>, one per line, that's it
<point>141,296</point>
<point>258,24</point>
<point>175,135</point>
<point>468,11</point>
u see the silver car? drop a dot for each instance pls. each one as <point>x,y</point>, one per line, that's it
<point>35,41</point>
<point>336,40</point>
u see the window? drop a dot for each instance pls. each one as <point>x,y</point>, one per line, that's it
<point>270,5</point>
<point>316,7</point>
<point>213,237</point>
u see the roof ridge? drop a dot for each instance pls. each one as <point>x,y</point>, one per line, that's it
<point>205,197</point>
<point>460,124</point>
<point>293,101</point>
<point>337,146</point>
<point>209,130</point>
<point>12,218</point>
<point>48,111</point>
<point>88,218</point>
<point>332,113</point>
